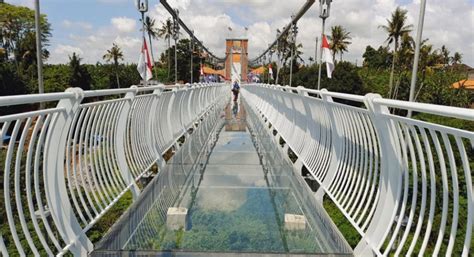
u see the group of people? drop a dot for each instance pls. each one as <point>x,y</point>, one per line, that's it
<point>210,78</point>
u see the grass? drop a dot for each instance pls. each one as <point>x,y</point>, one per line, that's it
<point>345,227</point>
<point>110,218</point>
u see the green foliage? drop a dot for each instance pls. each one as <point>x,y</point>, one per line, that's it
<point>345,78</point>
<point>110,218</point>
<point>255,226</point>
<point>377,59</point>
<point>56,78</point>
<point>450,122</point>
<point>18,47</point>
<point>102,76</point>
<point>184,62</point>
<point>17,31</point>
<point>340,40</point>
<point>375,80</point>
<point>10,81</point>
<point>79,76</point>
<point>166,32</point>
<point>115,54</point>
<point>345,227</point>
<point>436,88</point>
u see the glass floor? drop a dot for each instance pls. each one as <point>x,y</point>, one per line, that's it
<point>234,206</point>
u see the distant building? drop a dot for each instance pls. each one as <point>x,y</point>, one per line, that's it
<point>466,83</point>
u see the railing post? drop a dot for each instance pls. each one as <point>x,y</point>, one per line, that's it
<point>337,145</point>
<point>121,141</point>
<point>154,116</point>
<point>55,182</point>
<point>299,162</point>
<point>390,179</point>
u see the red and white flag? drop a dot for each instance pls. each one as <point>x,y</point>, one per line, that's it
<point>144,63</point>
<point>270,70</point>
<point>327,57</point>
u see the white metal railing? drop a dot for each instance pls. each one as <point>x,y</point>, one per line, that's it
<point>404,184</point>
<point>65,166</point>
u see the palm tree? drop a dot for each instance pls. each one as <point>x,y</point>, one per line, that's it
<point>340,40</point>
<point>406,51</point>
<point>395,28</point>
<point>298,52</point>
<point>79,76</point>
<point>457,58</point>
<point>115,54</point>
<point>445,55</point>
<point>152,34</point>
<point>166,32</point>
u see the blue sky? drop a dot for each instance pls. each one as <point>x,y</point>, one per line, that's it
<point>89,27</point>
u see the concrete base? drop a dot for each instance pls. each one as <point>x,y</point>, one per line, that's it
<point>176,218</point>
<point>295,222</point>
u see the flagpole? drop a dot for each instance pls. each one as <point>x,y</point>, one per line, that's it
<point>293,50</point>
<point>291,64</point>
<point>417,52</point>
<point>145,81</point>
<point>279,57</point>
<point>176,37</point>
<point>270,65</point>
<point>192,52</point>
<point>321,56</point>
<point>316,51</point>
<point>39,51</point>
<point>324,8</point>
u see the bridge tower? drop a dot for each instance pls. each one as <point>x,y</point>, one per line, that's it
<point>236,64</point>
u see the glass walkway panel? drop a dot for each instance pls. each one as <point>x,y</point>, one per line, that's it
<point>227,202</point>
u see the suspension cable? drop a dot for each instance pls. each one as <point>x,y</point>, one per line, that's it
<point>189,31</point>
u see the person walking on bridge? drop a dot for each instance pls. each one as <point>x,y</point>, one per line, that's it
<point>236,90</point>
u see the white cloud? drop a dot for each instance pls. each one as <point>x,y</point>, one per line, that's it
<point>77,25</point>
<point>124,24</point>
<point>62,52</point>
<point>447,22</point>
<point>27,3</point>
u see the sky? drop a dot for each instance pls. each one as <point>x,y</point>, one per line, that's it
<point>90,27</point>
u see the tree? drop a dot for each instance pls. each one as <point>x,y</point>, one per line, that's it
<point>340,40</point>
<point>295,50</point>
<point>114,54</point>
<point>79,76</point>
<point>377,59</point>
<point>153,33</point>
<point>166,32</point>
<point>407,51</point>
<point>457,58</point>
<point>395,28</point>
<point>345,78</point>
<point>17,23</point>
<point>56,78</point>
<point>10,82</point>
<point>445,55</point>
<point>184,55</point>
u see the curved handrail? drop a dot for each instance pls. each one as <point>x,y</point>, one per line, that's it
<point>404,184</point>
<point>64,167</point>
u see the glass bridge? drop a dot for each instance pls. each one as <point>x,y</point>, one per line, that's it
<point>234,185</point>
<point>234,204</point>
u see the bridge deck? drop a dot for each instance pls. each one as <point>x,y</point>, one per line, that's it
<point>235,206</point>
